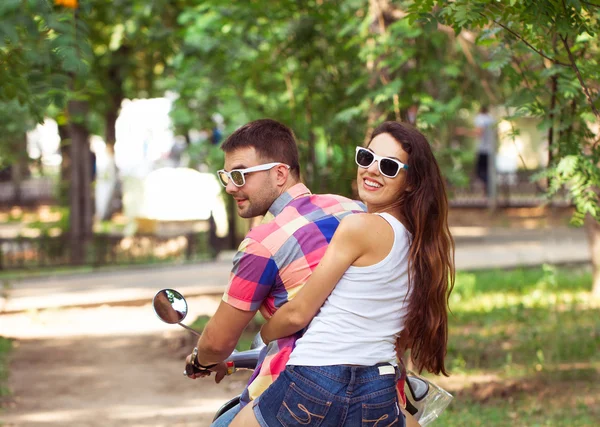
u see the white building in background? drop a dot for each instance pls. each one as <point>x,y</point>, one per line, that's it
<point>106,176</point>
<point>43,142</point>
<point>183,195</point>
<point>150,187</point>
<point>144,135</point>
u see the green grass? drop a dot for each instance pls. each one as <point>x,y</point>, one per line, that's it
<point>522,320</point>
<point>529,411</point>
<point>5,347</point>
<point>524,349</point>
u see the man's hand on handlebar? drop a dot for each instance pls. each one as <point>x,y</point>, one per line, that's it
<point>220,372</point>
<point>191,371</point>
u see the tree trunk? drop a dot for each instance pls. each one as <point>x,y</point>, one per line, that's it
<point>65,165</point>
<point>87,190</point>
<point>19,168</point>
<point>74,186</point>
<point>110,121</point>
<point>81,212</point>
<point>115,99</point>
<point>592,228</point>
<point>110,134</point>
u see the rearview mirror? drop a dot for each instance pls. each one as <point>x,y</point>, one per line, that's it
<point>170,306</point>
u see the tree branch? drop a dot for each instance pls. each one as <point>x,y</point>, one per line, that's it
<point>520,64</point>
<point>484,83</point>
<point>590,4</point>
<point>578,73</point>
<point>539,52</point>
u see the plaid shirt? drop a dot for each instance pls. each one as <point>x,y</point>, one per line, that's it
<point>276,259</point>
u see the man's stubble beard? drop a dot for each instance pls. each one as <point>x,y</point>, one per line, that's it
<point>260,205</point>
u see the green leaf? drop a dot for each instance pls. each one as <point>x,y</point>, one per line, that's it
<point>349,114</point>
<point>9,6</point>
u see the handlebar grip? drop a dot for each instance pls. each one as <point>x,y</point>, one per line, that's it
<point>191,369</point>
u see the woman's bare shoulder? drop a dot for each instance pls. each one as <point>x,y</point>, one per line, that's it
<point>370,236</point>
<point>364,226</point>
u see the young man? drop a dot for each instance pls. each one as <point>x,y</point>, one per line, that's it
<point>277,257</point>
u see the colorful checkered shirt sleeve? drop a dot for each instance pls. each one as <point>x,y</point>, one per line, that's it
<point>252,277</point>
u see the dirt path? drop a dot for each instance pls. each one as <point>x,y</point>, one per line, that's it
<point>107,366</point>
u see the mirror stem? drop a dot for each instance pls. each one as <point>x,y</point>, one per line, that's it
<point>189,329</point>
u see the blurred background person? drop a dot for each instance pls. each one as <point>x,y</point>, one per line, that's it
<point>485,131</point>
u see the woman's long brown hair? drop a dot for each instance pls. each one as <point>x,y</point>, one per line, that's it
<point>424,207</point>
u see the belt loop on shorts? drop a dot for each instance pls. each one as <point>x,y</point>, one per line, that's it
<point>352,381</point>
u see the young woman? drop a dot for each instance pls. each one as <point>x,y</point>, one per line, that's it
<point>385,277</point>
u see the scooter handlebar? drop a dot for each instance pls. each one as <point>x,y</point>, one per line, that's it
<point>245,359</point>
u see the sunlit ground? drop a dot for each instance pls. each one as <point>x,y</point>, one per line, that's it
<point>524,349</point>
<point>128,414</point>
<point>105,366</point>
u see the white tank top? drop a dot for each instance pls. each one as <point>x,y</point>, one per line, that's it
<point>360,320</point>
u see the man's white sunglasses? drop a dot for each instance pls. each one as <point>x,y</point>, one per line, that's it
<point>387,166</point>
<point>237,176</point>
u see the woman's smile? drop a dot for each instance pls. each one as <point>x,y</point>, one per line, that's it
<point>371,185</point>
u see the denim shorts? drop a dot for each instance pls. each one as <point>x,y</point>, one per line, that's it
<point>337,395</point>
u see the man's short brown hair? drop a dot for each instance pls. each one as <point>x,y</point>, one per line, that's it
<point>273,141</point>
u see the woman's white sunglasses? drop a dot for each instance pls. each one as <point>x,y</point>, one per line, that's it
<point>237,176</point>
<point>387,166</point>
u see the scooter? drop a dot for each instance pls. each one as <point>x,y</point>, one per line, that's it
<point>425,401</point>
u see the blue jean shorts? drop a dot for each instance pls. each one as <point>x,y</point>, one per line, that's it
<point>323,396</point>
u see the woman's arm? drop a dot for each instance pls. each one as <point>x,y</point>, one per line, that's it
<point>347,245</point>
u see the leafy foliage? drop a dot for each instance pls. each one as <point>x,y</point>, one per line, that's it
<point>286,62</point>
<point>329,70</point>
<point>41,46</point>
<point>547,53</point>
<point>132,44</point>
<point>100,52</point>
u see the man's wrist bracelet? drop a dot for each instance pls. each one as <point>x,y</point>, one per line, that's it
<point>197,364</point>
